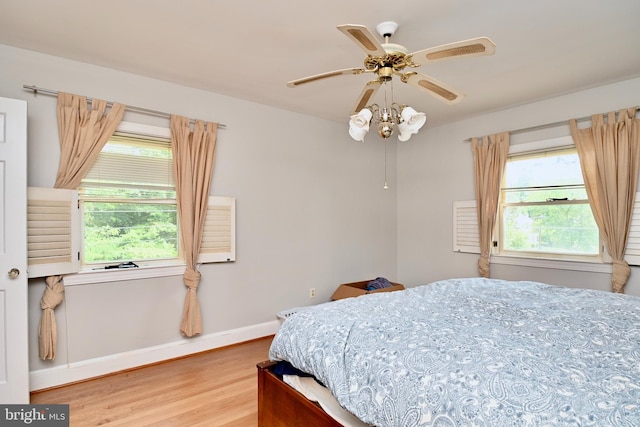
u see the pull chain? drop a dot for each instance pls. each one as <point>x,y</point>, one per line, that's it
<point>385,165</point>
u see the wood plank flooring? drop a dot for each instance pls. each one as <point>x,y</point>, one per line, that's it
<point>214,389</point>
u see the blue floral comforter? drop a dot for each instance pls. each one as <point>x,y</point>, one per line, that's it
<point>474,352</point>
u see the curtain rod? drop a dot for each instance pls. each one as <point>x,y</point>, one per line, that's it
<point>547,126</point>
<point>36,90</point>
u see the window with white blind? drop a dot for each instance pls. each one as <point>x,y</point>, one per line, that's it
<point>544,218</point>
<point>128,203</point>
<point>544,211</point>
<point>124,211</point>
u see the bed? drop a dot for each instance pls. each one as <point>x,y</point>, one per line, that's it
<point>459,352</point>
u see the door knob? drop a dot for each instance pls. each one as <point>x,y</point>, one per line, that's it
<point>13,273</point>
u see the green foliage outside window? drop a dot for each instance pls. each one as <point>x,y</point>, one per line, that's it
<point>545,207</point>
<point>129,231</point>
<point>561,228</point>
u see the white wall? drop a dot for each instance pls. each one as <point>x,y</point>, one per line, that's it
<point>436,169</point>
<point>311,212</point>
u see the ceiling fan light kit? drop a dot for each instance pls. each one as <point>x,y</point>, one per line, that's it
<point>406,119</point>
<point>386,60</point>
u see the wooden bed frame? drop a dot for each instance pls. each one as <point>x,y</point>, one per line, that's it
<point>280,405</point>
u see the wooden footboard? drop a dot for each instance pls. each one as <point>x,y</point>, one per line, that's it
<point>279,405</point>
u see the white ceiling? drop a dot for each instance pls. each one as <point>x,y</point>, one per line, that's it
<point>250,49</point>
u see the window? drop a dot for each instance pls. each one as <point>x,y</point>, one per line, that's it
<point>544,218</point>
<point>124,211</point>
<point>128,203</point>
<point>544,210</point>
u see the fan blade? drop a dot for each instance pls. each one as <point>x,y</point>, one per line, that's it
<point>474,47</point>
<point>355,71</point>
<point>433,86</point>
<point>367,93</point>
<point>363,38</point>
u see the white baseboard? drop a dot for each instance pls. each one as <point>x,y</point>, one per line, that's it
<point>78,371</point>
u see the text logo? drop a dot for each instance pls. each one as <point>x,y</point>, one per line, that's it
<point>35,415</point>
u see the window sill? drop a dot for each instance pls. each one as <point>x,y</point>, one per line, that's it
<point>119,275</point>
<point>592,267</point>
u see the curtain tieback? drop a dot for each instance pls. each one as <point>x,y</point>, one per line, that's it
<point>620,275</point>
<point>483,265</point>
<point>191,278</point>
<point>53,293</point>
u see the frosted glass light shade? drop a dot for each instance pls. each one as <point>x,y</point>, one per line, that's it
<point>359,124</point>
<point>404,132</point>
<point>413,120</point>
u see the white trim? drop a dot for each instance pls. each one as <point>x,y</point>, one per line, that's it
<point>146,130</point>
<point>117,275</point>
<point>592,267</point>
<point>541,145</point>
<point>78,371</point>
<point>562,142</point>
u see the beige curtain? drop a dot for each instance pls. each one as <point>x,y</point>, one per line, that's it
<point>194,157</point>
<point>610,156</point>
<point>489,159</point>
<point>83,130</point>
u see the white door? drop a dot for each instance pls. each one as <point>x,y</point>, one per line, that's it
<point>14,356</point>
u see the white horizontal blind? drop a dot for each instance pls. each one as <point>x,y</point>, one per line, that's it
<point>219,237</point>
<point>466,237</point>
<point>632,252</point>
<point>52,231</point>
<point>130,162</point>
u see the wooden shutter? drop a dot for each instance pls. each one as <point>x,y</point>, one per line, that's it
<point>219,238</point>
<point>632,251</point>
<point>52,231</point>
<point>466,237</point>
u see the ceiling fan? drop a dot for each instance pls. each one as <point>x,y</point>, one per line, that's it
<point>388,59</point>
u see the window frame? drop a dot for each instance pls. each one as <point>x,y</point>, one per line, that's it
<point>84,265</point>
<point>219,241</point>
<point>596,263</point>
<point>142,131</point>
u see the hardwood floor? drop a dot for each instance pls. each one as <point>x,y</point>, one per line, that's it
<point>215,389</point>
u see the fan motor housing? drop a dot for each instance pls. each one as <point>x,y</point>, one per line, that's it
<point>385,73</point>
<point>393,48</point>
<point>393,60</point>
